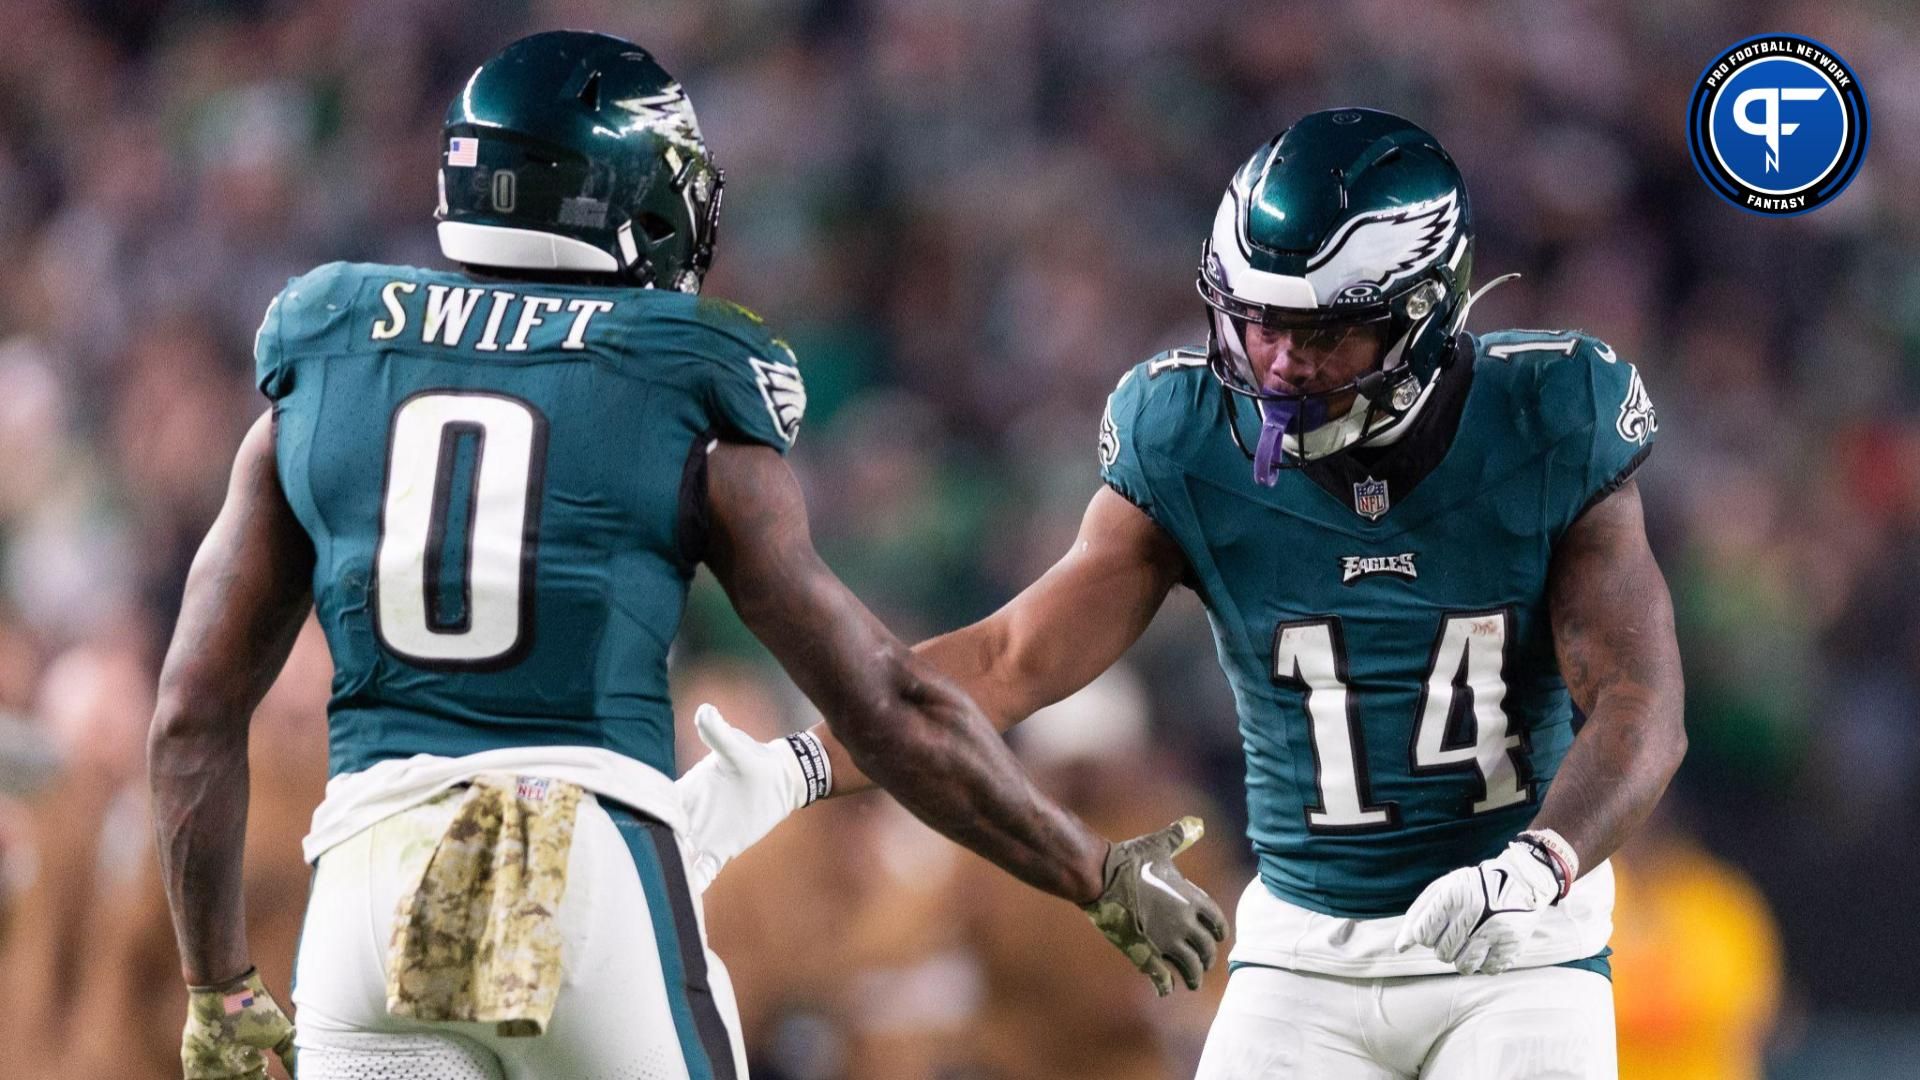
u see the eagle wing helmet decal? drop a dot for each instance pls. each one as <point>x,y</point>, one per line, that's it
<point>666,111</point>
<point>1379,249</point>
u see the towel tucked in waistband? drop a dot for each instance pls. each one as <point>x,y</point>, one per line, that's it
<point>478,938</point>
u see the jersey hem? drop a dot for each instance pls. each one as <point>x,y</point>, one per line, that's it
<point>1597,963</point>
<point>358,800</point>
<point>1275,932</point>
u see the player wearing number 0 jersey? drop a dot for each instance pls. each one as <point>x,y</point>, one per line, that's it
<point>542,507</point>
<point>1436,554</point>
<point>493,484</point>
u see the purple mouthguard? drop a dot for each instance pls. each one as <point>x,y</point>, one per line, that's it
<point>1278,417</point>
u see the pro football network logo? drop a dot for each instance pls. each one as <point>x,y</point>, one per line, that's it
<point>1778,124</point>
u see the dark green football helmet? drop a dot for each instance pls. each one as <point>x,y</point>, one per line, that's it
<point>1350,217</point>
<point>576,152</point>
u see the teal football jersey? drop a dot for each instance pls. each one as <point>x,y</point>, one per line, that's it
<point>1382,617</point>
<point>504,486</point>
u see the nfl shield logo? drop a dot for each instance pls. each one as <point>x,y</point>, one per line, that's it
<point>1370,498</point>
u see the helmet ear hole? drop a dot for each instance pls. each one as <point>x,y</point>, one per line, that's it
<point>656,228</point>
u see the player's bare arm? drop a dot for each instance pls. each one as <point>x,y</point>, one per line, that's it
<point>246,596</point>
<point>897,718</point>
<point>1060,632</point>
<point>1613,632</point>
<point>902,722</point>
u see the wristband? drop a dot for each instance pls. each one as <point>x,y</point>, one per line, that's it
<point>815,767</point>
<point>1552,849</point>
<point>235,983</point>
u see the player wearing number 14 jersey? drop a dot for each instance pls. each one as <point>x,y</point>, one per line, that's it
<point>1420,549</point>
<point>493,483</point>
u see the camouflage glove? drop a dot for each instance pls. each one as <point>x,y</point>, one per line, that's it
<point>1153,914</point>
<point>227,1027</point>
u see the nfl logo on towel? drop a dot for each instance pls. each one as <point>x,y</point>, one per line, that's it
<point>462,151</point>
<point>1370,498</point>
<point>532,788</point>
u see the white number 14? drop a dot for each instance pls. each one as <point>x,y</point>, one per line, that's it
<point>1469,656</point>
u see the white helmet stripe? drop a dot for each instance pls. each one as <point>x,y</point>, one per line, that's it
<point>1374,249</point>
<point>1242,280</point>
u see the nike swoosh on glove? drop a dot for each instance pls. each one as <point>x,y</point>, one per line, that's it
<point>1153,914</point>
<point>1478,918</point>
<point>737,794</point>
<point>228,1027</point>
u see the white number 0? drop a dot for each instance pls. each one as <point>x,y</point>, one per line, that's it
<point>418,522</point>
<point>1469,656</point>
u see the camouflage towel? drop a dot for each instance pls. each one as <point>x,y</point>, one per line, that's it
<point>478,938</point>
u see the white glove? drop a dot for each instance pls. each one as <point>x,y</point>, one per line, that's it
<point>739,792</point>
<point>1477,918</point>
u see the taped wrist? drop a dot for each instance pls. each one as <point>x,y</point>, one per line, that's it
<point>815,767</point>
<point>1553,850</point>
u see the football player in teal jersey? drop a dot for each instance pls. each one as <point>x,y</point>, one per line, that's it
<point>492,484</point>
<point>1420,549</point>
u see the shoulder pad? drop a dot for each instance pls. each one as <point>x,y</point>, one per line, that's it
<point>729,317</point>
<point>305,311</point>
<point>1147,389</point>
<point>758,392</point>
<point>1149,409</point>
<point>1574,379</point>
<point>1182,359</point>
<point>326,289</point>
<point>1571,389</point>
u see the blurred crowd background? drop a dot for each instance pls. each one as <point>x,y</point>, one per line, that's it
<point>970,217</point>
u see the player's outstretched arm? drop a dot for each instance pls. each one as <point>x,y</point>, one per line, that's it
<point>246,597</point>
<point>917,734</point>
<point>1062,631</point>
<point>1048,642</point>
<point>898,719</point>
<point>1613,631</point>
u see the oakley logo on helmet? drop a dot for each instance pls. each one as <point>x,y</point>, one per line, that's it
<point>1777,124</point>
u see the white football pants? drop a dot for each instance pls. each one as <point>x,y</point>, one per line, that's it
<point>1551,1023</point>
<point>642,998</point>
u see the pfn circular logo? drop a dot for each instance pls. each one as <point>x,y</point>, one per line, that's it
<point>1778,124</point>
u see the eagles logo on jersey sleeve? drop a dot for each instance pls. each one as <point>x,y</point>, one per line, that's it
<point>758,394</point>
